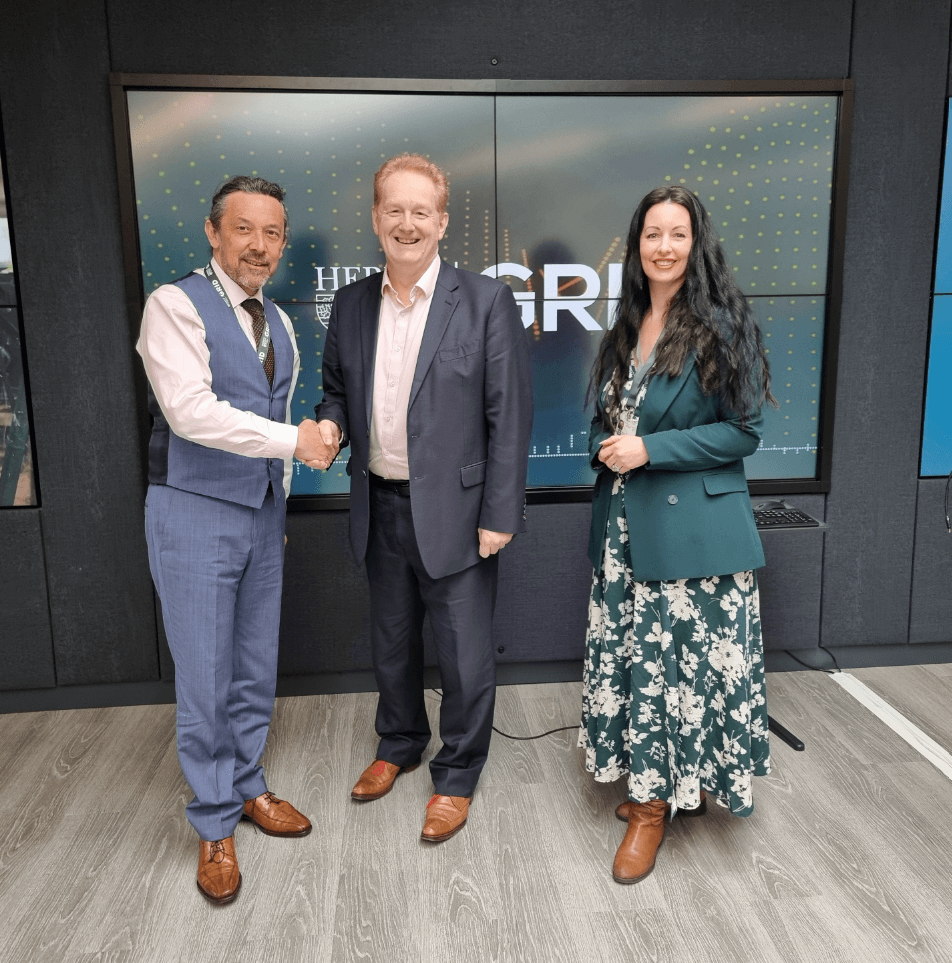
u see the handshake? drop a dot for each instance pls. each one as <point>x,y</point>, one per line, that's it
<point>318,443</point>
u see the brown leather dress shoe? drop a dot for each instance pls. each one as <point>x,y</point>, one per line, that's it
<point>623,809</point>
<point>445,817</point>
<point>218,877</point>
<point>378,779</point>
<point>276,817</point>
<point>635,858</point>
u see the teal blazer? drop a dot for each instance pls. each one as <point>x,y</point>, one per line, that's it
<point>688,509</point>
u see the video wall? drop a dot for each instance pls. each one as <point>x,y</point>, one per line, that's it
<point>542,192</point>
<point>936,458</point>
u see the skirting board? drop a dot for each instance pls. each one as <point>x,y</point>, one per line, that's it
<point>508,673</point>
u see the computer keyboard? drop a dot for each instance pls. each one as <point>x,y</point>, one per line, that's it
<point>783,518</point>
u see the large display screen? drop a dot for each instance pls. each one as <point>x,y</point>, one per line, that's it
<point>542,191</point>
<point>937,423</point>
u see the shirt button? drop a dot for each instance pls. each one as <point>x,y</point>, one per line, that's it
<point>672,499</point>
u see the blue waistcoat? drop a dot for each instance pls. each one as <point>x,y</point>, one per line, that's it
<point>237,377</point>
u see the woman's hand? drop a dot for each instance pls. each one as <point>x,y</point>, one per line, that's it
<point>623,453</point>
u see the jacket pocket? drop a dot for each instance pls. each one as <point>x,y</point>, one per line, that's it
<point>460,350</point>
<point>473,474</point>
<point>722,482</point>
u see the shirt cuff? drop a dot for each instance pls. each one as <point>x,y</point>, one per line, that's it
<point>284,439</point>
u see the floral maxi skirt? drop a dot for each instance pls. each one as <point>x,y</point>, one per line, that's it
<point>673,688</point>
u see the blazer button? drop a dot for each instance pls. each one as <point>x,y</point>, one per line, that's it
<point>672,499</point>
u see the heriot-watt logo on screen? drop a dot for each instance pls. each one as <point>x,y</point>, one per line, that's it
<point>553,295</point>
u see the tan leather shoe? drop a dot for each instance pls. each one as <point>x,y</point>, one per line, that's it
<point>623,809</point>
<point>635,858</point>
<point>378,779</point>
<point>276,817</point>
<point>445,817</point>
<point>218,877</point>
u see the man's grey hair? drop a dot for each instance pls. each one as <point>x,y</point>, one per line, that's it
<point>248,185</point>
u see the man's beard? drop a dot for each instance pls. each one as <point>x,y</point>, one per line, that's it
<point>252,276</point>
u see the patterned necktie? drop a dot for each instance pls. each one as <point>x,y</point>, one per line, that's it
<point>254,307</point>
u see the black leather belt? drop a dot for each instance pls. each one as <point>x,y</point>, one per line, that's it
<point>395,485</point>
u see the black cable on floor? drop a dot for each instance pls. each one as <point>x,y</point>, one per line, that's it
<point>831,655</point>
<point>506,735</point>
<point>816,668</point>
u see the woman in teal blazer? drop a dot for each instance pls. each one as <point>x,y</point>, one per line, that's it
<point>674,694</point>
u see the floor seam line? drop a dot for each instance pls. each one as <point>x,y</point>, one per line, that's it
<point>907,730</point>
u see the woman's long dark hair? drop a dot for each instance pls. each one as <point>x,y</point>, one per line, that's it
<point>708,316</point>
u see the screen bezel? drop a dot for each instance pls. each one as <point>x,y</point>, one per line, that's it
<point>842,89</point>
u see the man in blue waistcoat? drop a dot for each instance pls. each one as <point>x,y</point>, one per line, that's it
<point>222,362</point>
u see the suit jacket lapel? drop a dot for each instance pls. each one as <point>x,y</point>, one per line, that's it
<point>660,396</point>
<point>445,299</point>
<point>369,319</point>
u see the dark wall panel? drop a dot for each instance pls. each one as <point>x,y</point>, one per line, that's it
<point>931,615</point>
<point>790,582</point>
<point>544,582</point>
<point>950,68</point>
<point>598,39</point>
<point>324,615</point>
<point>898,62</point>
<point>540,611</point>
<point>58,135</point>
<point>57,126</point>
<point>26,643</point>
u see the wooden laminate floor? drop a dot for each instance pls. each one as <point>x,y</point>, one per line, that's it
<point>847,857</point>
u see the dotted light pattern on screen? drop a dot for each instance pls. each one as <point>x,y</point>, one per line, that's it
<point>764,172</point>
<point>766,177</point>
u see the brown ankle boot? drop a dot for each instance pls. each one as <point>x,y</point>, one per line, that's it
<point>635,858</point>
<point>622,810</point>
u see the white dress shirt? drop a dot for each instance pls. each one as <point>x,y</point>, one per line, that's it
<point>399,333</point>
<point>176,357</point>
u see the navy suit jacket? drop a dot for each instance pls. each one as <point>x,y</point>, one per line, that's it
<point>469,417</point>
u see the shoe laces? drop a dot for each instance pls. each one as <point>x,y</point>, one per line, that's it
<point>217,850</point>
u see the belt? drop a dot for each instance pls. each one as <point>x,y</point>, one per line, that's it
<point>396,485</point>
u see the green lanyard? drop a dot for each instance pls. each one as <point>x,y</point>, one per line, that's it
<point>264,342</point>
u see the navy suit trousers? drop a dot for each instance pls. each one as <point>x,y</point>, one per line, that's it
<point>460,607</point>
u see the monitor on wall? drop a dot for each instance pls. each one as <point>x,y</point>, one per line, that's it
<point>936,452</point>
<point>544,177</point>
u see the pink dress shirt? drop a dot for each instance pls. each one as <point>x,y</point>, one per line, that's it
<point>399,333</point>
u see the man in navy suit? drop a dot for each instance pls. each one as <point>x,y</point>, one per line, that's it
<point>426,376</point>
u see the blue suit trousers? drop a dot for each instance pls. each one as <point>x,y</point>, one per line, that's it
<point>217,568</point>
